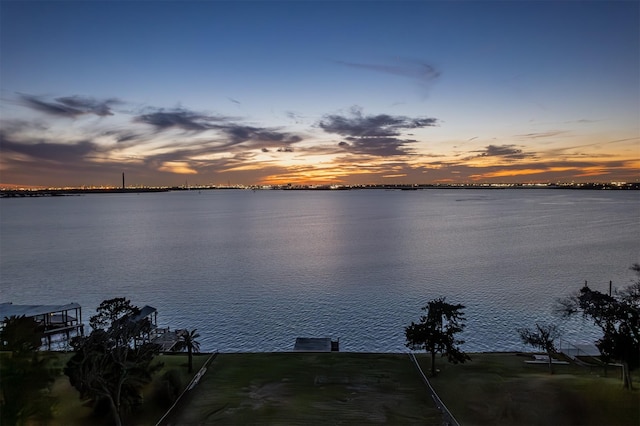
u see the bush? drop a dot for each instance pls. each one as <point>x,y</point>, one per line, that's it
<point>169,387</point>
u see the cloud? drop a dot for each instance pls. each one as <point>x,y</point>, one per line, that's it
<point>19,126</point>
<point>528,169</point>
<point>241,133</point>
<point>123,135</point>
<point>70,106</point>
<point>379,146</point>
<point>381,125</point>
<point>548,134</point>
<point>373,134</point>
<point>417,70</point>
<point>178,118</point>
<point>295,117</point>
<point>49,151</point>
<point>233,133</point>
<point>504,151</point>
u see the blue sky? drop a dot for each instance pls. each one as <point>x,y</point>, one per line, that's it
<point>318,92</point>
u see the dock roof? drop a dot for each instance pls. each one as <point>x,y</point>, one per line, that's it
<point>312,344</point>
<point>9,309</point>
<point>144,312</point>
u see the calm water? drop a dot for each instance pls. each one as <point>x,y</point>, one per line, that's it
<point>254,270</point>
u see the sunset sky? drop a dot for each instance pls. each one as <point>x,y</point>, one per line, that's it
<point>349,92</point>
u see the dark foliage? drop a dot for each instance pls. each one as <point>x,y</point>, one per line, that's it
<point>26,376</point>
<point>109,364</point>
<point>617,316</point>
<point>542,337</point>
<point>21,334</point>
<point>111,311</point>
<point>189,343</point>
<point>169,387</point>
<point>436,331</point>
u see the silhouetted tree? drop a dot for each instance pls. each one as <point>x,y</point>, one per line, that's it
<point>542,337</point>
<point>435,333</point>
<point>618,316</point>
<point>189,343</point>
<point>25,374</point>
<point>107,364</point>
<point>110,311</point>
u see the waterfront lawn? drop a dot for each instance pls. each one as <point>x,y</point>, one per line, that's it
<point>356,388</point>
<point>501,389</point>
<point>309,388</point>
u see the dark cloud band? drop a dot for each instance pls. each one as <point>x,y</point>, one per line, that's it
<point>70,106</point>
<point>505,151</point>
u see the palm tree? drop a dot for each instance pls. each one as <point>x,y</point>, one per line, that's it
<point>188,341</point>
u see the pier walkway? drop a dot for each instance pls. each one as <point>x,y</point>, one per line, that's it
<point>166,338</point>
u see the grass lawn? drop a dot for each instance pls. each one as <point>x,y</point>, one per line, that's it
<point>501,389</point>
<point>359,388</point>
<point>311,388</point>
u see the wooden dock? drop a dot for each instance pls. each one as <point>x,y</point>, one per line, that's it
<point>166,338</point>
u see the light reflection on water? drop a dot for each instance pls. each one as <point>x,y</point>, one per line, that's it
<point>254,270</point>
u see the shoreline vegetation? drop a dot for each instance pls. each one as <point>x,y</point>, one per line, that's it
<point>494,388</point>
<point>52,192</point>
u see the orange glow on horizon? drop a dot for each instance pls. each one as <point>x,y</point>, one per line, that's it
<point>176,167</point>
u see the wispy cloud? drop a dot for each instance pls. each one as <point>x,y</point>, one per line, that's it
<point>238,133</point>
<point>538,135</point>
<point>70,106</point>
<point>180,118</point>
<point>382,147</point>
<point>504,151</point>
<point>229,130</point>
<point>44,150</point>
<point>418,70</point>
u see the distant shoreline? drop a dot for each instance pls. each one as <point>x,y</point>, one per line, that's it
<point>53,192</point>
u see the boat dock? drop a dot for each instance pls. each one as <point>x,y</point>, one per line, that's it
<point>166,338</point>
<point>316,344</point>
<point>59,322</point>
<point>576,350</point>
<point>63,322</point>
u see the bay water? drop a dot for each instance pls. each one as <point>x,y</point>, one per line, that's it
<point>253,270</point>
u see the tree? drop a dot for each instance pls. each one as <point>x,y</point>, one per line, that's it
<point>188,341</point>
<point>435,333</point>
<point>25,375</point>
<point>120,314</point>
<point>107,364</point>
<point>21,335</point>
<point>617,316</point>
<point>543,338</point>
<point>112,310</point>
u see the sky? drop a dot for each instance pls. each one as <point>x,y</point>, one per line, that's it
<point>318,92</point>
